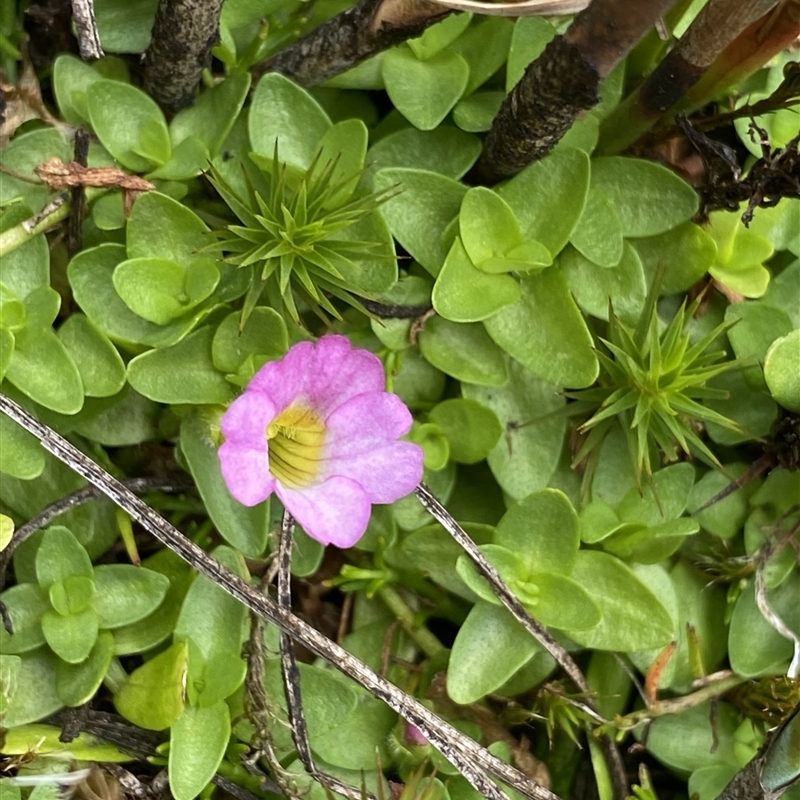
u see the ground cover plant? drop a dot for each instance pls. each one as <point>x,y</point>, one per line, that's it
<point>475,332</point>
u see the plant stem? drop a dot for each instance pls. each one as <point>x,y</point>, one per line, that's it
<point>53,213</point>
<point>427,642</point>
<point>677,704</point>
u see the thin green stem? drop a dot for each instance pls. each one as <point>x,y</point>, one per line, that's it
<point>427,642</point>
<point>677,704</point>
<point>53,213</point>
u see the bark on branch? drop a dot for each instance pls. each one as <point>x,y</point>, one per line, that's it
<point>184,32</point>
<point>716,26</point>
<point>349,38</point>
<point>563,83</point>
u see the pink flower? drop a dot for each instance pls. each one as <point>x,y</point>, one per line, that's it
<point>319,430</point>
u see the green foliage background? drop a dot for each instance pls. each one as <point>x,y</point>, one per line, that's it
<point>142,338</point>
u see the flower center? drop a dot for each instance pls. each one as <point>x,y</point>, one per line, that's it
<point>295,439</point>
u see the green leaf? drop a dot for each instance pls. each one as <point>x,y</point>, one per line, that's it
<point>782,765</point>
<point>445,150</point>
<point>546,332</point>
<point>42,369</point>
<point>757,326</point>
<point>6,350</point>
<point>182,373</point>
<point>282,112</point>
<point>662,500</point>
<point>71,638</point>
<point>594,287</point>
<point>463,351</point>
<point>100,366</point>
<point>487,225</point>
<point>439,36</point>
<point>548,197</point>
<point>72,595</point>
<point>699,605</point>
<point>210,617</point>
<point>59,556</point>
<point>424,92</point>
<point>123,420</point>
<point>157,628</point>
<point>21,455</point>
<point>129,124</point>
<point>346,144</point>
<point>784,292</point>
<point>160,227</point>
<point>476,113</point>
<point>126,594</point>
<point>490,647</point>
<point>484,46</point>
<point>696,738</point>
<point>649,199</point>
<point>91,278</point>
<point>633,618</point>
<point>420,215</point>
<point>726,517</point>
<point>152,696</point>
<point>76,684</point>
<point>125,27</point>
<point>160,290</point>
<point>472,429</point>
<point>597,236</point>
<point>26,603</point>
<point>211,116</point>
<point>531,411</point>
<point>741,254</point>
<point>463,293</point>
<point>84,747</point>
<point>188,159</point>
<point>354,742</point>
<point>755,648</point>
<point>685,254</point>
<point>543,530</point>
<point>264,335</point>
<point>558,601</point>
<point>21,155</point>
<point>433,550</point>
<point>749,406</point>
<point>242,527</point>
<point>531,35</point>
<point>434,445</point>
<point>197,744</point>
<point>6,531</point>
<point>781,372</point>
<point>71,79</point>
<point>35,697</point>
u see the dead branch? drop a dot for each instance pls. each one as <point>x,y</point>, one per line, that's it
<point>563,83</point>
<point>184,32</point>
<point>86,28</point>
<point>714,28</point>
<point>349,38</point>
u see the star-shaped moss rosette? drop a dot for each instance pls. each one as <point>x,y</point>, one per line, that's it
<point>650,384</point>
<point>319,430</point>
<point>291,221</point>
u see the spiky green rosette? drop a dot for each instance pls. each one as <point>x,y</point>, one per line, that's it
<point>650,383</point>
<point>289,233</point>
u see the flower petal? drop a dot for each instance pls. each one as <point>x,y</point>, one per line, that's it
<point>367,421</point>
<point>333,512</point>
<point>362,445</point>
<point>246,472</point>
<point>246,419</point>
<point>386,473</point>
<point>324,375</point>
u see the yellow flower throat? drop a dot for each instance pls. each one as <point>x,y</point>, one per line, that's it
<point>295,440</point>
